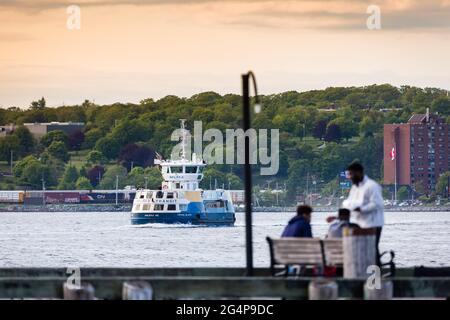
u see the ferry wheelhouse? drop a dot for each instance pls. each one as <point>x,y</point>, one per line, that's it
<point>180,199</point>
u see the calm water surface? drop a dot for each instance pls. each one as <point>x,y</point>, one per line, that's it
<point>108,239</point>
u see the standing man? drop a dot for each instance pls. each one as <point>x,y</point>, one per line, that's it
<point>365,200</point>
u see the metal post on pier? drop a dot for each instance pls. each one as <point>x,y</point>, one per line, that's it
<point>117,190</point>
<point>448,187</point>
<point>43,190</point>
<point>11,162</point>
<point>247,168</point>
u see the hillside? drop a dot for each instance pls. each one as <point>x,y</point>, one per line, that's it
<point>321,132</point>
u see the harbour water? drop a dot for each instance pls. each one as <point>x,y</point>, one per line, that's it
<point>86,239</point>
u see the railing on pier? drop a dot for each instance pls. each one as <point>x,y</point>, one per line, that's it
<point>196,283</point>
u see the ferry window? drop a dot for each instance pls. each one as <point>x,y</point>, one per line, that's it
<point>169,195</point>
<point>171,207</point>
<point>141,196</point>
<point>191,169</point>
<point>146,207</point>
<point>200,169</point>
<point>149,195</point>
<point>159,194</point>
<point>137,207</point>
<point>176,169</point>
<point>183,207</point>
<point>159,207</point>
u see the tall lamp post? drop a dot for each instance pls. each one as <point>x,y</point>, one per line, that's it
<point>247,168</point>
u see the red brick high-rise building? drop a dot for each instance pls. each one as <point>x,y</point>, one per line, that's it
<point>416,152</point>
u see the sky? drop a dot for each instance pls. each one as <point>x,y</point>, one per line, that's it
<point>129,50</point>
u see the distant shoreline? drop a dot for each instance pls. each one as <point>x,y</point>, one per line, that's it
<point>127,208</point>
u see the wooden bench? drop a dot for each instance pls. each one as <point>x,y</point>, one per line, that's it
<point>314,252</point>
<point>298,252</point>
<point>304,252</point>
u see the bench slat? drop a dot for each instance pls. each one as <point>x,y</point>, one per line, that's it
<point>301,251</point>
<point>334,254</point>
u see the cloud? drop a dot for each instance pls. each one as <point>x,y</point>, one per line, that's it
<point>348,15</point>
<point>49,4</point>
<point>306,14</point>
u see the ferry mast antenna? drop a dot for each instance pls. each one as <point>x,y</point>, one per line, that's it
<point>183,139</point>
<point>247,168</point>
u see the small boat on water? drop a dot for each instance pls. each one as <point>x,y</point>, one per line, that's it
<point>180,199</point>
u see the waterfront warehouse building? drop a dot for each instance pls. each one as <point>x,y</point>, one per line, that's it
<point>38,130</point>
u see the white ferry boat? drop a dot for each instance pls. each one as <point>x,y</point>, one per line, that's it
<point>180,199</point>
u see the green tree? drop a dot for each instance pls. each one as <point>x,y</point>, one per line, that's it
<point>91,137</point>
<point>56,166</point>
<point>25,139</point>
<point>233,181</point>
<point>347,127</point>
<point>83,172</point>
<point>34,173</point>
<point>441,105</point>
<point>136,177</point>
<point>96,157</point>
<point>267,198</point>
<point>419,188</point>
<point>9,144</point>
<point>154,177</point>
<point>369,151</point>
<point>58,150</point>
<point>402,193</point>
<point>333,133</point>
<point>69,179</point>
<point>53,136</point>
<point>368,127</point>
<point>213,176</point>
<point>20,165</point>
<point>109,147</point>
<point>83,183</point>
<point>38,105</point>
<point>109,178</point>
<point>443,184</point>
<point>31,172</point>
<point>297,173</point>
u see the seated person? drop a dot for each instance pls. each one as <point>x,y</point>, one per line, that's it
<point>341,221</point>
<point>299,226</point>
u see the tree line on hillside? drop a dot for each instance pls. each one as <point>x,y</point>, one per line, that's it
<point>321,132</point>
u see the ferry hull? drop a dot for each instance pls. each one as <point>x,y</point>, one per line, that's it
<point>219,219</point>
